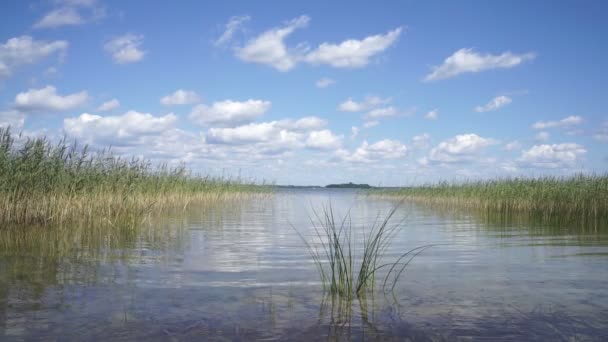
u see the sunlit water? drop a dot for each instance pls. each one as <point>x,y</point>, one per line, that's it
<point>241,272</point>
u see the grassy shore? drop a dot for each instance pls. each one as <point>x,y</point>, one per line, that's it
<point>579,199</point>
<point>46,183</point>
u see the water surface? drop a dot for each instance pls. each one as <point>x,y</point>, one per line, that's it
<point>239,271</point>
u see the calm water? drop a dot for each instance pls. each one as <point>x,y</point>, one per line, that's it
<point>240,272</point>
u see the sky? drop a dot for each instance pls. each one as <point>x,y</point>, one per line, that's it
<point>315,92</point>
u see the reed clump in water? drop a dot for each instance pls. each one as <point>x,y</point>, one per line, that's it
<point>581,199</point>
<point>46,183</point>
<point>347,268</point>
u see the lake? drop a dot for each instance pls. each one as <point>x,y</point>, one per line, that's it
<point>240,271</point>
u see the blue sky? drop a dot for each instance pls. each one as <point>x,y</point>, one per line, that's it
<point>316,92</point>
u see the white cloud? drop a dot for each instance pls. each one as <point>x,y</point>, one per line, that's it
<point>260,140</point>
<point>126,48</point>
<point>352,53</point>
<point>180,97</point>
<point>464,147</point>
<point>432,115</point>
<point>421,140</point>
<point>47,99</point>
<point>233,25</point>
<point>386,112</point>
<point>68,12</point>
<point>229,112</point>
<point>368,103</point>
<point>255,133</point>
<point>542,136</point>
<point>324,82</point>
<point>354,132</point>
<point>381,113</point>
<point>553,156</point>
<point>368,153</point>
<point>470,61</point>
<point>304,124</point>
<point>25,50</point>
<point>60,17</point>
<point>323,140</point>
<point>269,47</point>
<point>116,129</point>
<point>565,122</point>
<point>494,104</point>
<point>602,133</point>
<point>370,124</point>
<point>12,118</point>
<point>109,105</point>
<point>513,145</point>
<point>76,3</point>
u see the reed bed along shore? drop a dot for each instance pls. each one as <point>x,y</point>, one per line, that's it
<point>580,199</point>
<point>56,183</point>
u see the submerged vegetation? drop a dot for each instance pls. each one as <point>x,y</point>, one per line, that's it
<point>346,268</point>
<point>54,183</point>
<point>580,199</point>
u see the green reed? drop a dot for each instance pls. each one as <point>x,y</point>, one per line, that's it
<point>48,183</point>
<point>581,198</point>
<point>346,267</point>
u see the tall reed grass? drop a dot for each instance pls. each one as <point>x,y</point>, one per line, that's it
<point>53,183</point>
<point>580,199</point>
<point>346,267</point>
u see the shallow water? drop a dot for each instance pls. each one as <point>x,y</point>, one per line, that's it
<point>240,272</point>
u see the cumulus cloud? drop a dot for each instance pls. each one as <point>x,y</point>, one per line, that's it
<point>60,17</point>
<point>570,121</point>
<point>463,147</point>
<point>12,118</point>
<point>368,153</point>
<point>266,136</point>
<point>323,140</point>
<point>542,136</point>
<point>354,132</point>
<point>553,156</point>
<point>368,103</point>
<point>421,140</point>
<point>229,112</point>
<point>352,53</point>
<point>324,82</point>
<point>109,105</point>
<point>512,145</point>
<point>370,124</point>
<point>68,12</point>
<point>126,48</point>
<point>494,104</point>
<point>269,48</point>
<point>233,25</point>
<point>432,115</point>
<point>260,141</point>
<point>25,50</point>
<point>387,112</point>
<point>180,97</point>
<point>469,61</point>
<point>47,99</point>
<point>250,133</point>
<point>303,124</point>
<point>117,129</point>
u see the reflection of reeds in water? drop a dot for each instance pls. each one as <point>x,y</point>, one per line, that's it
<point>46,183</point>
<point>581,199</point>
<point>343,271</point>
